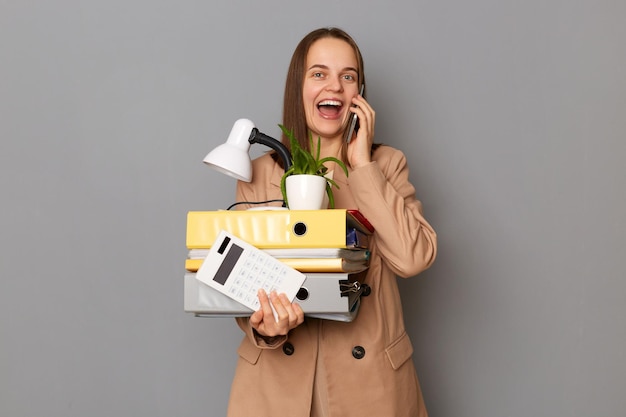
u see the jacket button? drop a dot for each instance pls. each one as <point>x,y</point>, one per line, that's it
<point>288,349</point>
<point>358,352</point>
<point>367,290</point>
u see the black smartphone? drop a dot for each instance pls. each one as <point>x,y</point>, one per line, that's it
<point>354,123</point>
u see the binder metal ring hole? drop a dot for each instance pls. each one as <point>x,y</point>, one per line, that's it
<point>302,294</point>
<point>299,229</point>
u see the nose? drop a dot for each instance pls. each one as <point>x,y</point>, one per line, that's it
<point>334,84</point>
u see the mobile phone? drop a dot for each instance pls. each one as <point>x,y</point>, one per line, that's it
<point>354,122</point>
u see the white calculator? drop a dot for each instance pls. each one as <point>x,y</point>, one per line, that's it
<point>239,269</point>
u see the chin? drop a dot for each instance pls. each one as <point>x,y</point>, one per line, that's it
<point>331,129</point>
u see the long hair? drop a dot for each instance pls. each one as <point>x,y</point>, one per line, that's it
<point>294,117</point>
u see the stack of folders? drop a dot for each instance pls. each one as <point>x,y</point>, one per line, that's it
<point>331,247</point>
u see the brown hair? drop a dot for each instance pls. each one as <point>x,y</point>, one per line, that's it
<point>294,117</point>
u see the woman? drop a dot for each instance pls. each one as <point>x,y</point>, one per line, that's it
<point>297,366</point>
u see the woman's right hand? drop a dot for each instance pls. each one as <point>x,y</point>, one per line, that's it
<point>290,315</point>
<point>360,148</point>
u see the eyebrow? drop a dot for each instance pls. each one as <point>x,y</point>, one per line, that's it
<point>326,67</point>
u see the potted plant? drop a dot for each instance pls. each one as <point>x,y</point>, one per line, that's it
<point>304,163</point>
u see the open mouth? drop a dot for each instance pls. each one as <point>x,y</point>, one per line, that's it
<point>330,108</point>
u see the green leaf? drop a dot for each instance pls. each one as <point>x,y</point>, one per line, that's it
<point>303,162</point>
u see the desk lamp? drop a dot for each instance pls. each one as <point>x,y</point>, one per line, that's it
<point>232,158</point>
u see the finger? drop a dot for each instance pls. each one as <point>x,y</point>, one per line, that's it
<point>282,315</point>
<point>264,300</point>
<point>299,314</point>
<point>256,318</point>
<point>367,116</point>
<point>267,323</point>
<point>296,316</point>
<point>367,124</point>
<point>361,103</point>
<point>364,112</point>
<point>288,306</point>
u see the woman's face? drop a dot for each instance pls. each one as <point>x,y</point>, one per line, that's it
<point>330,83</point>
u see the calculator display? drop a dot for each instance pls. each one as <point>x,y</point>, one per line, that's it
<point>231,258</point>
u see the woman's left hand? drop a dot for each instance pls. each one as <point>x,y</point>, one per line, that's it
<point>289,315</point>
<point>360,147</point>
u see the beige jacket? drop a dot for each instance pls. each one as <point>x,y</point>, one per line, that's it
<point>368,363</point>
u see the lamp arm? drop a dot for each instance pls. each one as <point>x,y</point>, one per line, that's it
<point>270,142</point>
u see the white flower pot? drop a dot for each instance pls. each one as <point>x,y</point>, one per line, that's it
<point>306,192</point>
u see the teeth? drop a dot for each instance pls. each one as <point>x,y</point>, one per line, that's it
<point>330,103</point>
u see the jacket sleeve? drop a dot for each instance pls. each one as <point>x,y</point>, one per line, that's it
<point>404,239</point>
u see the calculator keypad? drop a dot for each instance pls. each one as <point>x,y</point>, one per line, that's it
<point>239,270</point>
<point>253,272</point>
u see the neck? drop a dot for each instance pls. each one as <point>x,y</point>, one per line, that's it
<point>331,147</point>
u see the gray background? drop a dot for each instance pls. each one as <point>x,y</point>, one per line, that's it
<point>513,117</point>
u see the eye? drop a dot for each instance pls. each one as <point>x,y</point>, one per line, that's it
<point>349,77</point>
<point>317,75</point>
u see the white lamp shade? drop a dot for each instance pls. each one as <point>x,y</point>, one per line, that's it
<point>232,158</point>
